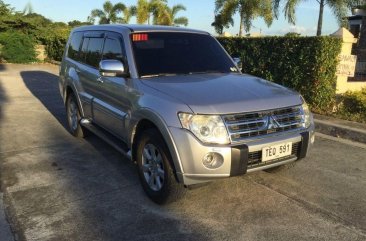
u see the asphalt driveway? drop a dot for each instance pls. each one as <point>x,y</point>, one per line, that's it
<point>56,187</point>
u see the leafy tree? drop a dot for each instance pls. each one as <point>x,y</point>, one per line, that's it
<point>5,9</point>
<point>109,13</point>
<point>219,24</point>
<point>338,7</point>
<point>292,34</point>
<point>77,23</point>
<point>145,9</point>
<point>248,10</point>
<point>167,16</point>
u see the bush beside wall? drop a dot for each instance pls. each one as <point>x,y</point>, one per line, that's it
<point>352,106</point>
<point>17,47</point>
<point>55,47</point>
<point>305,64</point>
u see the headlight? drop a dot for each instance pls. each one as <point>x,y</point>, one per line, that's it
<point>207,128</point>
<point>306,114</point>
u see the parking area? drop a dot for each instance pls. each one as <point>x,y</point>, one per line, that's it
<point>56,187</point>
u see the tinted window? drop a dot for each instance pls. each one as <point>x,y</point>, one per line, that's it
<point>73,51</point>
<point>93,52</point>
<point>179,53</point>
<point>84,49</point>
<point>113,50</point>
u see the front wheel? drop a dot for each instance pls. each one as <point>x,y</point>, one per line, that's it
<point>155,172</point>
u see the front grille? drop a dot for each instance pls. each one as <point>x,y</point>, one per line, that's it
<point>256,124</point>
<point>255,158</point>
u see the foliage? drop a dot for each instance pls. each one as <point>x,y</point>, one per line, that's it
<point>55,46</point>
<point>77,23</point>
<point>338,7</point>
<point>292,34</point>
<point>353,105</point>
<point>167,16</point>
<point>306,64</point>
<point>17,47</point>
<point>109,13</point>
<point>248,11</point>
<point>162,14</point>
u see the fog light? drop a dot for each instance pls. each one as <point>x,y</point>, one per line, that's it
<point>213,160</point>
<point>312,138</point>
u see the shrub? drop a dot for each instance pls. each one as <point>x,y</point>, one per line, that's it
<point>55,46</point>
<point>305,64</point>
<point>353,105</point>
<point>17,47</point>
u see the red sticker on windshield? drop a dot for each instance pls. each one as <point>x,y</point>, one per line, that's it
<point>139,37</point>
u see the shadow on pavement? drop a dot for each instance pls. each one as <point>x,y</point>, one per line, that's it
<point>2,67</point>
<point>86,190</point>
<point>44,86</point>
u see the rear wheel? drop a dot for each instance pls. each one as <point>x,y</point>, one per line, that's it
<point>74,117</point>
<point>155,171</point>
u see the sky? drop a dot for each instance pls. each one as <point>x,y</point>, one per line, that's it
<point>200,14</point>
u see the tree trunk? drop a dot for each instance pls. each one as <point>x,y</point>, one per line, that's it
<point>241,30</point>
<point>320,20</point>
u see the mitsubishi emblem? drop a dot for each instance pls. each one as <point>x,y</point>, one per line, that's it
<point>272,123</point>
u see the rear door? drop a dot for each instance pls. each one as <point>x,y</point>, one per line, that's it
<point>113,96</point>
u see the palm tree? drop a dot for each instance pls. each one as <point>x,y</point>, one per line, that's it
<point>145,9</point>
<point>109,13</point>
<point>247,9</point>
<point>167,16</point>
<point>338,7</point>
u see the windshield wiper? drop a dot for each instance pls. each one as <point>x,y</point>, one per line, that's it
<point>210,72</point>
<point>158,75</point>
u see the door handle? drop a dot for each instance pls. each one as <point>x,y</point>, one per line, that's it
<point>100,80</point>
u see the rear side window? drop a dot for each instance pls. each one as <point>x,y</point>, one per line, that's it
<point>73,51</point>
<point>94,51</point>
<point>113,50</point>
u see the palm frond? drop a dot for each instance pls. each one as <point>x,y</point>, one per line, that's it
<point>181,21</point>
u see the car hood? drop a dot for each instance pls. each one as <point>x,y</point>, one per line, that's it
<point>224,93</point>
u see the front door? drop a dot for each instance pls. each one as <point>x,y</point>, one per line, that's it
<point>110,108</point>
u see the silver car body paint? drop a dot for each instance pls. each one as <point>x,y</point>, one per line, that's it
<point>160,99</point>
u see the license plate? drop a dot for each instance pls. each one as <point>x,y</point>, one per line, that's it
<point>276,151</point>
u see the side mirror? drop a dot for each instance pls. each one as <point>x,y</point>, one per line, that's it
<point>237,62</point>
<point>112,68</point>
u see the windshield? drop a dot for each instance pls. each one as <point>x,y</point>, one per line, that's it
<point>170,53</point>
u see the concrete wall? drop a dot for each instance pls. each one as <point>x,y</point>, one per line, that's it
<point>41,52</point>
<point>345,83</point>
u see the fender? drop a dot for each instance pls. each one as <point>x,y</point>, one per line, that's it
<point>150,115</point>
<point>70,83</point>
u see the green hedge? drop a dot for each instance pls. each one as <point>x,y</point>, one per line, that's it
<point>353,105</point>
<point>305,64</point>
<point>17,47</point>
<point>55,47</point>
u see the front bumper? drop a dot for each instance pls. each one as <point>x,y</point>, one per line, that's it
<point>238,159</point>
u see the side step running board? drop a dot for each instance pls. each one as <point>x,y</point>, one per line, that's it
<point>109,138</point>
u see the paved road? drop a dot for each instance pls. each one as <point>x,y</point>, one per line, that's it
<point>60,188</point>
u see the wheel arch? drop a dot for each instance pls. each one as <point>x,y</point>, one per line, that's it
<point>148,120</point>
<point>70,89</point>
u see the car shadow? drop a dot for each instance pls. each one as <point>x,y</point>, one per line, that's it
<point>44,86</point>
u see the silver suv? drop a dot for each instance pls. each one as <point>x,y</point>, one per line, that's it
<point>176,103</point>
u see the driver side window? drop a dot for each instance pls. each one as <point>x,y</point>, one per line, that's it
<point>113,50</point>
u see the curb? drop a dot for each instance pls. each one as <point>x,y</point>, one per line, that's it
<point>340,130</point>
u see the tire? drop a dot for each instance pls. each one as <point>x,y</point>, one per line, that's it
<point>74,117</point>
<point>280,168</point>
<point>155,169</point>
